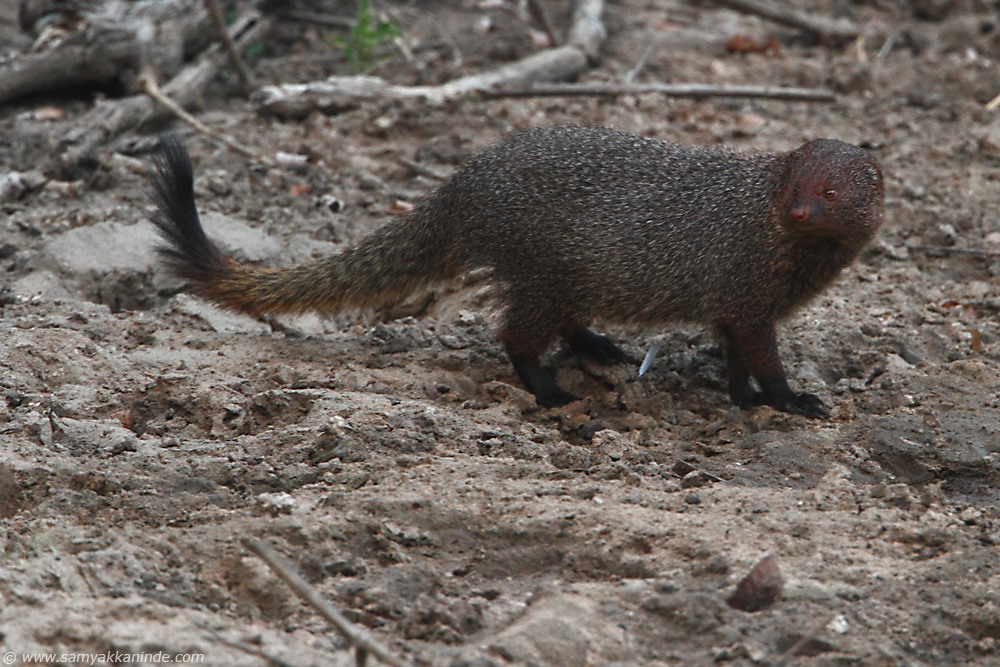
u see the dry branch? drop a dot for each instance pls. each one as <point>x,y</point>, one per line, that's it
<point>148,80</point>
<point>338,93</point>
<point>423,170</point>
<point>828,29</point>
<point>104,49</point>
<point>953,250</point>
<point>696,90</point>
<point>109,120</point>
<point>316,17</point>
<point>215,635</point>
<point>355,636</point>
<point>538,12</point>
<point>234,56</point>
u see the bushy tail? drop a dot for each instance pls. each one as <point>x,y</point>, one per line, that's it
<point>385,266</point>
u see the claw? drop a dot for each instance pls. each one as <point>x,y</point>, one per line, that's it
<point>804,404</point>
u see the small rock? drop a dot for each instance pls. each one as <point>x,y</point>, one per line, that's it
<point>572,457</point>
<point>276,503</point>
<point>507,393</point>
<point>970,516</point>
<point>475,661</point>
<point>759,589</point>
<point>838,624</point>
<point>697,478</point>
<point>610,442</point>
<point>560,630</point>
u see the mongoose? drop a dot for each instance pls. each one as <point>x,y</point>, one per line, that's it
<point>580,224</point>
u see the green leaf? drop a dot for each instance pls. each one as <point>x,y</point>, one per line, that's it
<point>360,42</point>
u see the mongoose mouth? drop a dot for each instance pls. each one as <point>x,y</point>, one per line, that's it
<point>811,219</point>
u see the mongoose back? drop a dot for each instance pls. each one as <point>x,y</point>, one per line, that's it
<point>582,224</point>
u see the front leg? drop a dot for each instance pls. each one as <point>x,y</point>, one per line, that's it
<point>753,350</point>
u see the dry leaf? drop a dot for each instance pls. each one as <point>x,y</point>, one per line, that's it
<point>400,207</point>
<point>744,44</point>
<point>49,113</point>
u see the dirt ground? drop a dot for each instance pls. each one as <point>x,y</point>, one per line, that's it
<point>394,458</point>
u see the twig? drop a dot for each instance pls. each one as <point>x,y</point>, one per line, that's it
<point>423,169</point>
<point>805,639</point>
<point>539,14</point>
<point>103,49</point>
<point>148,81</point>
<point>400,43</point>
<point>634,72</point>
<point>107,121</point>
<point>315,17</point>
<point>945,249</point>
<point>859,49</point>
<point>362,642</point>
<point>993,104</point>
<point>887,45</point>
<point>220,28</point>
<point>829,29</point>
<point>669,89</point>
<point>338,93</point>
<point>275,660</point>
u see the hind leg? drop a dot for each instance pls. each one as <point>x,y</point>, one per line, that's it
<point>587,343</point>
<point>527,334</point>
<point>540,382</point>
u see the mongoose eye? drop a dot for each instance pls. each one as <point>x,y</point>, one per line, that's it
<point>830,194</point>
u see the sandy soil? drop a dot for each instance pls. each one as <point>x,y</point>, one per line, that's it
<point>395,459</point>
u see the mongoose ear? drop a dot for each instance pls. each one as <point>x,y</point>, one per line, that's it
<point>874,175</point>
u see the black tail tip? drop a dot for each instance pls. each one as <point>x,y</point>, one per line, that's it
<point>186,249</point>
<point>173,163</point>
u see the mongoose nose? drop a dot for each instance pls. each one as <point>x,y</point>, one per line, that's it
<point>799,213</point>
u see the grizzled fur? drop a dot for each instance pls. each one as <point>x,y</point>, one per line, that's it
<point>581,224</point>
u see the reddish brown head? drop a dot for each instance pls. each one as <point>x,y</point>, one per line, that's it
<point>832,191</point>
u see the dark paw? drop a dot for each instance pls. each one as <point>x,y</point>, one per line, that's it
<point>586,343</point>
<point>745,397</point>
<point>555,398</point>
<point>804,404</point>
<point>808,405</point>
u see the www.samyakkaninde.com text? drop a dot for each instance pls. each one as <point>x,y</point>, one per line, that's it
<point>109,658</point>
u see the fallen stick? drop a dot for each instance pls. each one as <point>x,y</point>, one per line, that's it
<point>670,89</point>
<point>148,80</point>
<point>362,642</point>
<point>825,28</point>
<point>803,640</point>
<point>340,93</point>
<point>953,250</point>
<point>316,17</point>
<point>634,72</point>
<point>234,56</point>
<point>100,52</point>
<point>215,635</point>
<point>110,119</point>
<point>423,170</point>
<point>538,12</point>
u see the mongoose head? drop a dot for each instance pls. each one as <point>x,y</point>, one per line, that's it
<point>832,191</point>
